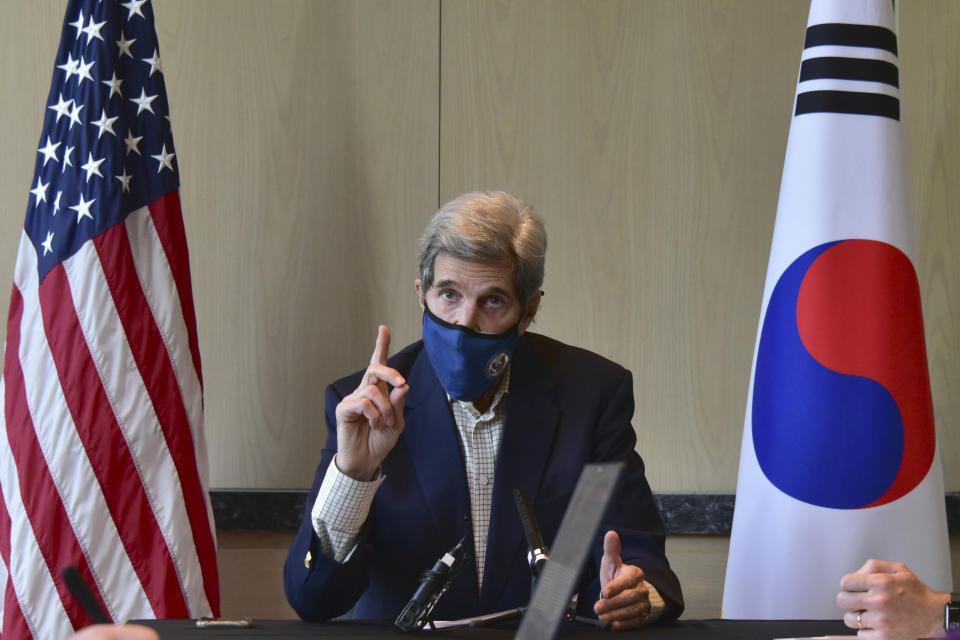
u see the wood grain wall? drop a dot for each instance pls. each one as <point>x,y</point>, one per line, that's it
<point>315,137</point>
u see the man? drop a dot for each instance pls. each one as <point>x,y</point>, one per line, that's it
<point>426,447</point>
<point>886,601</point>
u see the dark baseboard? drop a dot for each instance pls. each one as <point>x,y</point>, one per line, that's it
<point>682,513</point>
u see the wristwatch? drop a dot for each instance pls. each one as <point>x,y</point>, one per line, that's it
<point>951,613</point>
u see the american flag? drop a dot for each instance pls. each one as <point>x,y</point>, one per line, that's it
<point>103,462</point>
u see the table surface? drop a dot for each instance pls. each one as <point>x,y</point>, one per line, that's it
<point>683,630</point>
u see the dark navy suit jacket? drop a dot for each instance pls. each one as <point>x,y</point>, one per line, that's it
<point>565,407</point>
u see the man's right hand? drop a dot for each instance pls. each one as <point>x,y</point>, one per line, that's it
<point>370,420</point>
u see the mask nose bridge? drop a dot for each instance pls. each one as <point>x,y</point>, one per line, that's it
<point>469,315</point>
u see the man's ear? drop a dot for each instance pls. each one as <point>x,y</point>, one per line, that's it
<point>530,312</point>
<point>420,292</point>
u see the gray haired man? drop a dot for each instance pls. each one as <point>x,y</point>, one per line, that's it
<point>425,447</point>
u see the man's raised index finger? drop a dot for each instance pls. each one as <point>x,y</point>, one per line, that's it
<point>382,349</point>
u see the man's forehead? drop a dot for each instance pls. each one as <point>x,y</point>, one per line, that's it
<point>449,271</point>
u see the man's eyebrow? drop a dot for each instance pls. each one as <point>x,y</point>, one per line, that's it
<point>500,291</point>
<point>452,284</point>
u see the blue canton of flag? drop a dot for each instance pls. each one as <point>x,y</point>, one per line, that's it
<point>106,147</point>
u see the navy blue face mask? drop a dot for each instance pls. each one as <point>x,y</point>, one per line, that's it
<point>467,362</point>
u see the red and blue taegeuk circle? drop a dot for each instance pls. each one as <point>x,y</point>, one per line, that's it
<point>842,413</point>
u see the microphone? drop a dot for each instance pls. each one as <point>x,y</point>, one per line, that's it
<point>538,554</point>
<point>84,596</point>
<point>433,585</point>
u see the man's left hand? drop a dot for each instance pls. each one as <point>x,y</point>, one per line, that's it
<point>624,597</point>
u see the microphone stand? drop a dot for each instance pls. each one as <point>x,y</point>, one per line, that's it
<point>537,556</point>
<point>537,551</point>
<point>417,612</point>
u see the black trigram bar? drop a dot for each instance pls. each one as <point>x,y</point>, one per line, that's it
<point>851,35</point>
<point>867,104</point>
<point>850,69</point>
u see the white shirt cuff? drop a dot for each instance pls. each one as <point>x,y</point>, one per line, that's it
<point>341,508</point>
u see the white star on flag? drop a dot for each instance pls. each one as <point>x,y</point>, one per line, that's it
<point>134,7</point>
<point>165,159</point>
<point>77,24</point>
<point>104,124</point>
<point>47,244</point>
<point>70,67</point>
<point>125,180</point>
<point>66,156</point>
<point>132,142</point>
<point>40,191</point>
<point>92,166</point>
<point>124,45</point>
<point>49,152</point>
<point>93,30</point>
<point>83,70</point>
<point>143,102</point>
<point>75,114</point>
<point>154,63</point>
<point>56,203</point>
<point>83,208</point>
<point>61,107</point>
<point>114,84</point>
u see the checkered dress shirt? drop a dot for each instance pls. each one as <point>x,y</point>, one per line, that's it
<point>480,436</point>
<point>343,504</point>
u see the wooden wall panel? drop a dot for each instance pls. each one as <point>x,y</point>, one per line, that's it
<point>650,136</point>
<point>929,52</point>
<point>306,136</point>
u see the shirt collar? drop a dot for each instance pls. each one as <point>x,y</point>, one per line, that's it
<point>498,399</point>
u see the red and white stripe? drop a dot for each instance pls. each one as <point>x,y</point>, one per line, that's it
<point>102,456</point>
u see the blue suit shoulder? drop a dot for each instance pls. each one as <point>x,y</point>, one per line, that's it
<point>559,355</point>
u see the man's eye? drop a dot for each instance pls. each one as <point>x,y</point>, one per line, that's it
<point>494,301</point>
<point>448,295</point>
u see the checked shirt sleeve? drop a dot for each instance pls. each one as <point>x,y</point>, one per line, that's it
<point>342,507</point>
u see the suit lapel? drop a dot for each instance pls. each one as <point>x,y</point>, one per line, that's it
<point>434,448</point>
<point>529,429</point>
